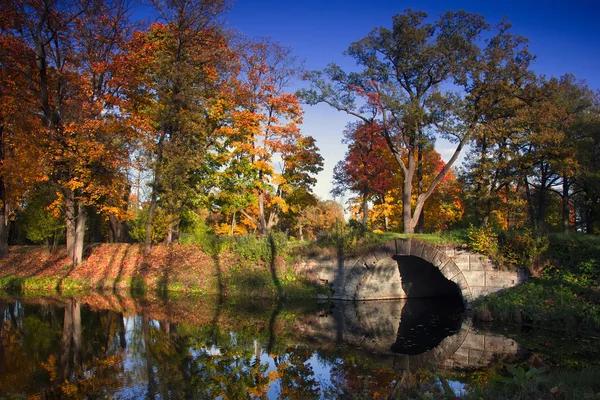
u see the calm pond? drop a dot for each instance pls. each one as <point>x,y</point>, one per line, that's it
<point>111,346</point>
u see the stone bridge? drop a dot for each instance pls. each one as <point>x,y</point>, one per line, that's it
<point>410,268</point>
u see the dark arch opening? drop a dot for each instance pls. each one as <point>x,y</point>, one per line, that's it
<point>421,279</point>
<point>433,311</point>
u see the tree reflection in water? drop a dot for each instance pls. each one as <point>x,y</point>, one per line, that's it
<point>113,346</point>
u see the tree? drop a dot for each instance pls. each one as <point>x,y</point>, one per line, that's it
<point>22,163</point>
<point>400,86</point>
<point>65,55</point>
<point>175,72</point>
<point>318,219</point>
<point>569,101</point>
<point>264,126</point>
<point>365,170</point>
<point>586,195</point>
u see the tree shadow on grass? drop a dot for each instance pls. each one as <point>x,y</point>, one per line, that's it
<point>121,268</point>
<point>162,286</point>
<point>273,267</point>
<point>108,268</point>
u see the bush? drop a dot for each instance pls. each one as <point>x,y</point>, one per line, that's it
<point>260,249</point>
<point>160,225</point>
<point>195,231</point>
<point>576,259</point>
<point>39,223</point>
<point>483,240</point>
<point>522,249</point>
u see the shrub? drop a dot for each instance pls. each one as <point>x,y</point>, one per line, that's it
<point>522,249</point>
<point>260,249</point>
<point>483,240</point>
<point>195,231</point>
<point>160,225</point>
<point>39,223</point>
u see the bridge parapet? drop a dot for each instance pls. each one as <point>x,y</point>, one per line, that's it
<point>378,274</point>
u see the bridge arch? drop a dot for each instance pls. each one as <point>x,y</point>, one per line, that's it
<point>376,274</point>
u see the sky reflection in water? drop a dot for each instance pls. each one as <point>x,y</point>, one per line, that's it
<point>107,345</point>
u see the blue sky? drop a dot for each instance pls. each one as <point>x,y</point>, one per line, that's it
<point>564,35</point>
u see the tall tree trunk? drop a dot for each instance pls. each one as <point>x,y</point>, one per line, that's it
<point>542,198</point>
<point>421,216</point>
<point>386,221</point>
<point>116,226</point>
<point>151,209</point>
<point>409,225</point>
<point>565,204</point>
<point>169,236</point>
<point>3,228</point>
<point>590,215</point>
<point>54,243</point>
<point>79,234</point>
<point>532,216</point>
<point>233,224</point>
<point>487,209</point>
<point>365,211</point>
<point>76,217</point>
<point>262,227</point>
<point>509,212</point>
<point>3,198</point>
<point>70,223</point>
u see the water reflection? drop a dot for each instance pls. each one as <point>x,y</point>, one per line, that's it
<point>109,345</point>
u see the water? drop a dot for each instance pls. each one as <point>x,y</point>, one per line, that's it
<point>110,346</point>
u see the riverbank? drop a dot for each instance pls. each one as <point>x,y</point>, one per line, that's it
<point>173,268</point>
<point>268,267</point>
<point>564,296</point>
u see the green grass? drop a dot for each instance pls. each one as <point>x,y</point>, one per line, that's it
<point>259,283</point>
<point>567,384</point>
<point>566,295</point>
<point>353,243</point>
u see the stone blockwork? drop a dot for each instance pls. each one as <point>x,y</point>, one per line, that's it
<point>376,275</point>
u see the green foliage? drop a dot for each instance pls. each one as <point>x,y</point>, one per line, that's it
<point>194,230</point>
<point>521,249</point>
<point>257,250</point>
<point>575,259</point>
<point>160,225</point>
<point>521,380</point>
<point>544,302</point>
<point>558,383</point>
<point>483,240</point>
<point>39,224</point>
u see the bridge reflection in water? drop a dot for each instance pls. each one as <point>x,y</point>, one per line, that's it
<point>412,333</point>
<point>110,345</point>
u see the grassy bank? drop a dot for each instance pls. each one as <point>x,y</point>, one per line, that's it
<point>246,266</point>
<point>249,270</point>
<point>503,382</point>
<point>565,295</point>
<point>352,243</point>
